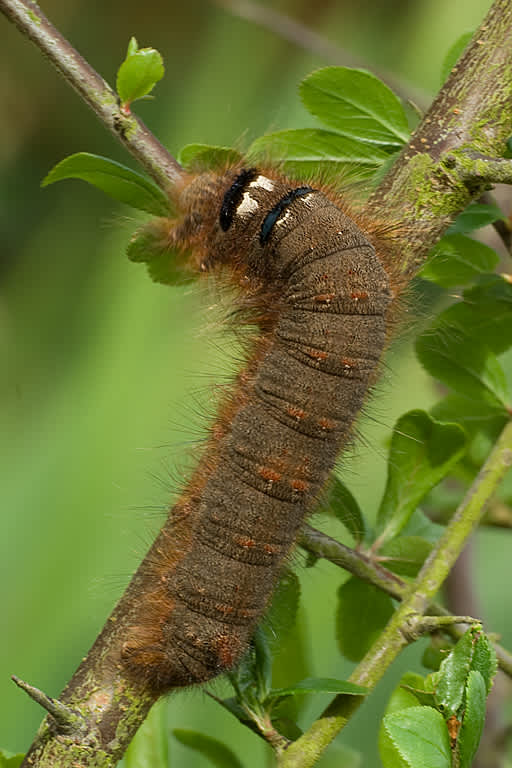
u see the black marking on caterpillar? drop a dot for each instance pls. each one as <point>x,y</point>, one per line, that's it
<point>321,295</point>
<point>274,214</point>
<point>233,197</point>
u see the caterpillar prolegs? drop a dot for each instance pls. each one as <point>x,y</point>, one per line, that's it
<point>319,291</point>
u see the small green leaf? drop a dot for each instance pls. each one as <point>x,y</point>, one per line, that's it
<point>139,73</point>
<point>473,721</point>
<point>485,312</point>
<point>435,653</point>
<point>421,525</point>
<point>465,364</point>
<point>150,244</point>
<point>405,554</point>
<point>416,737</point>
<point>9,760</point>
<point>307,152</point>
<point>422,452</point>
<point>133,47</point>
<point>454,54</point>
<point>204,157</point>
<point>340,502</point>
<point>460,410</point>
<point>318,685</point>
<point>363,611</point>
<point>457,260</point>
<point>450,681</point>
<point>282,614</point>
<point>215,751</point>
<point>114,179</point>
<point>425,698</point>
<point>403,697</point>
<point>475,216</point>
<point>484,659</point>
<point>357,104</point>
<point>149,748</point>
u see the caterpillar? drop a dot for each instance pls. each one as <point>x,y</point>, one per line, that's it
<point>319,288</point>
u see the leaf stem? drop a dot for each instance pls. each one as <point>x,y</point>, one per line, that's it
<point>95,91</point>
<point>307,749</point>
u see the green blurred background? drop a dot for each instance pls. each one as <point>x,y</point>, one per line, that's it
<point>105,377</point>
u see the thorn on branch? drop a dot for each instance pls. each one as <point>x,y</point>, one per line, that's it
<point>66,720</point>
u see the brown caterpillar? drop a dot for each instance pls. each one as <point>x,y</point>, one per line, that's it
<point>320,291</point>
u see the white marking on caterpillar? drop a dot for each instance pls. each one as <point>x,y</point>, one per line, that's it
<point>281,220</point>
<point>262,181</point>
<point>247,206</point>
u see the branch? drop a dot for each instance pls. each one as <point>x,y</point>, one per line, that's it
<point>304,752</point>
<point>93,89</point>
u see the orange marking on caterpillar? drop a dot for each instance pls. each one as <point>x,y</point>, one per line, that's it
<point>356,295</point>
<point>244,542</point>
<point>327,424</point>
<point>299,485</point>
<point>267,473</point>
<point>298,413</point>
<point>324,298</point>
<point>316,354</point>
<point>347,362</point>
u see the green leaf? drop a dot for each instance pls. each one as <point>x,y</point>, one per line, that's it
<point>422,452</point>
<point>484,659</point>
<point>416,737</point>
<point>403,696</point>
<point>133,47</point>
<point>356,104</point>
<point>282,614</point>
<point>485,312</point>
<point>405,554</point>
<point>475,216</point>
<point>150,244</point>
<point>421,525</point>
<point>9,760</point>
<point>319,685</point>
<point>435,653</point>
<point>363,611</point>
<point>473,721</point>
<point>457,259</point>
<point>340,502</point>
<point>307,152</point>
<point>204,157</point>
<point>450,681</point>
<point>460,410</point>
<point>149,748</point>
<point>114,179</point>
<point>139,73</point>
<point>454,53</point>
<point>465,364</point>
<point>217,752</point>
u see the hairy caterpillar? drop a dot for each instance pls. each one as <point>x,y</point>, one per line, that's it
<point>319,289</point>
